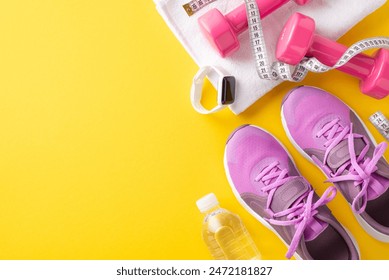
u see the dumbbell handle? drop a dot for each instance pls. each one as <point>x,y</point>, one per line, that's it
<point>238,17</point>
<point>329,52</point>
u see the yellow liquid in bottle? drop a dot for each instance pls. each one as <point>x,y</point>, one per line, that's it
<point>227,238</point>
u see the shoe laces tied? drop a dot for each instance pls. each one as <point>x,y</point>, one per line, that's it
<point>301,212</point>
<point>359,168</point>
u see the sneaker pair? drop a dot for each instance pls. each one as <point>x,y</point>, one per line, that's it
<point>267,183</point>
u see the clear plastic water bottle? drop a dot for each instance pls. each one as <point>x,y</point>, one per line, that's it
<point>224,233</point>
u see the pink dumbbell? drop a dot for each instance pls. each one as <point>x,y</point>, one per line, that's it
<point>298,40</point>
<point>222,31</point>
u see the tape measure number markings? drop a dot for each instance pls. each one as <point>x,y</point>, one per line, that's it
<point>283,71</point>
<point>381,123</point>
<point>196,5</point>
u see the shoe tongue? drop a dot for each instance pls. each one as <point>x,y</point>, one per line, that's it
<point>340,154</point>
<point>288,193</point>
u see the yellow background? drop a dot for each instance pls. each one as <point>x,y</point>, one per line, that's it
<point>101,153</point>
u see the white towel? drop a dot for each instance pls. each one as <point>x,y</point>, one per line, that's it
<point>333,19</point>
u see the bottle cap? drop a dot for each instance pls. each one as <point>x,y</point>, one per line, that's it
<point>207,202</point>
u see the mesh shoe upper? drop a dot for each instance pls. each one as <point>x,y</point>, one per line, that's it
<point>267,183</point>
<point>328,131</point>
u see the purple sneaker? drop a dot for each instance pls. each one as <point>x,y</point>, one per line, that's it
<point>332,136</point>
<point>267,183</point>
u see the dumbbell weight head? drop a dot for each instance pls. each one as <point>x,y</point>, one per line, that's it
<point>296,39</point>
<point>221,33</point>
<point>377,83</point>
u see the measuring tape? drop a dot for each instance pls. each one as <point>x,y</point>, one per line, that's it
<point>196,5</point>
<point>381,123</point>
<point>286,72</point>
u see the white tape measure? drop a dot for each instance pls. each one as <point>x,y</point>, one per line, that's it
<point>381,123</point>
<point>284,71</point>
<point>264,69</point>
<point>196,5</point>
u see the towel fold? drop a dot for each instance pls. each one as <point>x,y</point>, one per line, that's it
<point>333,19</point>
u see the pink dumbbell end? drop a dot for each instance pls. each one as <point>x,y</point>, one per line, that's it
<point>298,40</point>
